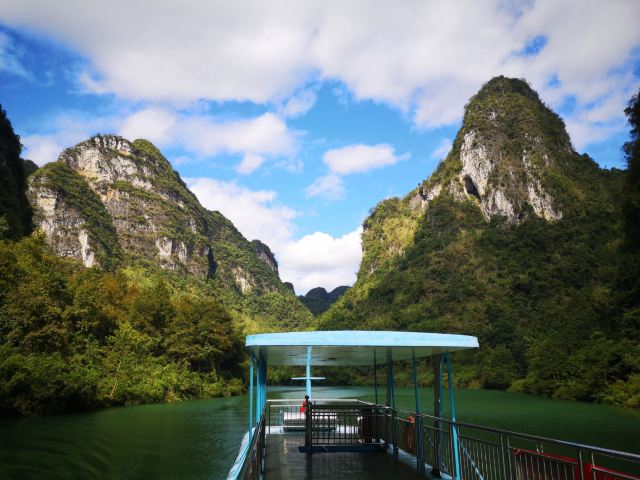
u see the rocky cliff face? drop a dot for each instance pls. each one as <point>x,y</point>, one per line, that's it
<point>511,160</point>
<point>108,199</point>
<point>508,146</point>
<point>74,220</point>
<point>264,253</point>
<point>155,216</point>
<point>515,239</point>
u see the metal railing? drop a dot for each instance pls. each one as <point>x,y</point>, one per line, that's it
<point>253,464</point>
<point>346,424</point>
<point>487,453</point>
<point>457,449</point>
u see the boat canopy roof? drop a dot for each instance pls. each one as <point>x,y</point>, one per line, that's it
<point>353,347</point>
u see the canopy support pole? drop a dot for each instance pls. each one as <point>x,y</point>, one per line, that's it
<point>454,427</point>
<point>258,390</point>
<point>308,381</point>
<point>262,386</point>
<point>375,374</point>
<point>251,361</point>
<point>418,424</point>
<point>391,400</point>
<point>437,412</point>
<point>264,379</point>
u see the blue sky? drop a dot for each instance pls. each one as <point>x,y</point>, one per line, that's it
<point>295,119</point>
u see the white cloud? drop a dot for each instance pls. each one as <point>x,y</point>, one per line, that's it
<point>320,260</point>
<point>355,158</point>
<point>41,148</point>
<point>203,135</point>
<point>263,135</point>
<point>10,58</point>
<point>88,84</point>
<point>360,158</point>
<point>180,51</point>
<point>598,121</point>
<point>583,133</point>
<point>330,186</point>
<point>153,124</point>
<point>63,131</point>
<point>256,139</point>
<point>426,58</point>
<point>311,261</point>
<point>257,214</point>
<point>442,150</point>
<point>299,104</point>
<point>249,164</point>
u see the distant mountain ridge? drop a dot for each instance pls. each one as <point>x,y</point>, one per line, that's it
<point>515,239</point>
<point>318,300</point>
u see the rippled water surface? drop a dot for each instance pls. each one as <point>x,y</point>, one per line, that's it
<point>199,439</point>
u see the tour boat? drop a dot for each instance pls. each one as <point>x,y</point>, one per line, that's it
<point>353,439</point>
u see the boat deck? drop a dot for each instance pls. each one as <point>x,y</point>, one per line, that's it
<point>285,461</point>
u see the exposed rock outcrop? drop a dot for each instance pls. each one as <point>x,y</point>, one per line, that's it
<point>148,204</point>
<point>75,222</point>
<point>63,225</point>
<point>509,142</point>
<point>264,253</point>
<point>109,198</point>
<point>512,160</point>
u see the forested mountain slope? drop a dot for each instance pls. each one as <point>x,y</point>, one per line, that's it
<point>515,238</point>
<point>129,291</point>
<point>109,202</point>
<point>15,213</point>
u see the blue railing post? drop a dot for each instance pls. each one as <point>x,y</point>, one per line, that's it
<point>418,424</point>
<point>308,381</point>
<point>391,400</point>
<point>258,390</point>
<point>437,412</point>
<point>375,375</point>
<point>455,446</point>
<point>262,386</point>
<point>251,360</point>
<point>264,379</point>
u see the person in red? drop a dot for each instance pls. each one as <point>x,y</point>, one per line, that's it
<point>304,404</point>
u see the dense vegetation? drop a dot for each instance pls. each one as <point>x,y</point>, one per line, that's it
<point>74,338</point>
<point>554,304</point>
<point>318,300</point>
<point>15,213</point>
<point>128,330</point>
<point>170,210</point>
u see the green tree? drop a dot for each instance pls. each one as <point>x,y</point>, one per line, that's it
<point>44,383</point>
<point>33,310</point>
<point>202,334</point>
<point>632,188</point>
<point>15,212</point>
<point>499,368</point>
<point>152,309</point>
<point>98,303</point>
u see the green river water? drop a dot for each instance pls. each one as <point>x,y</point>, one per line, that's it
<point>199,439</point>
